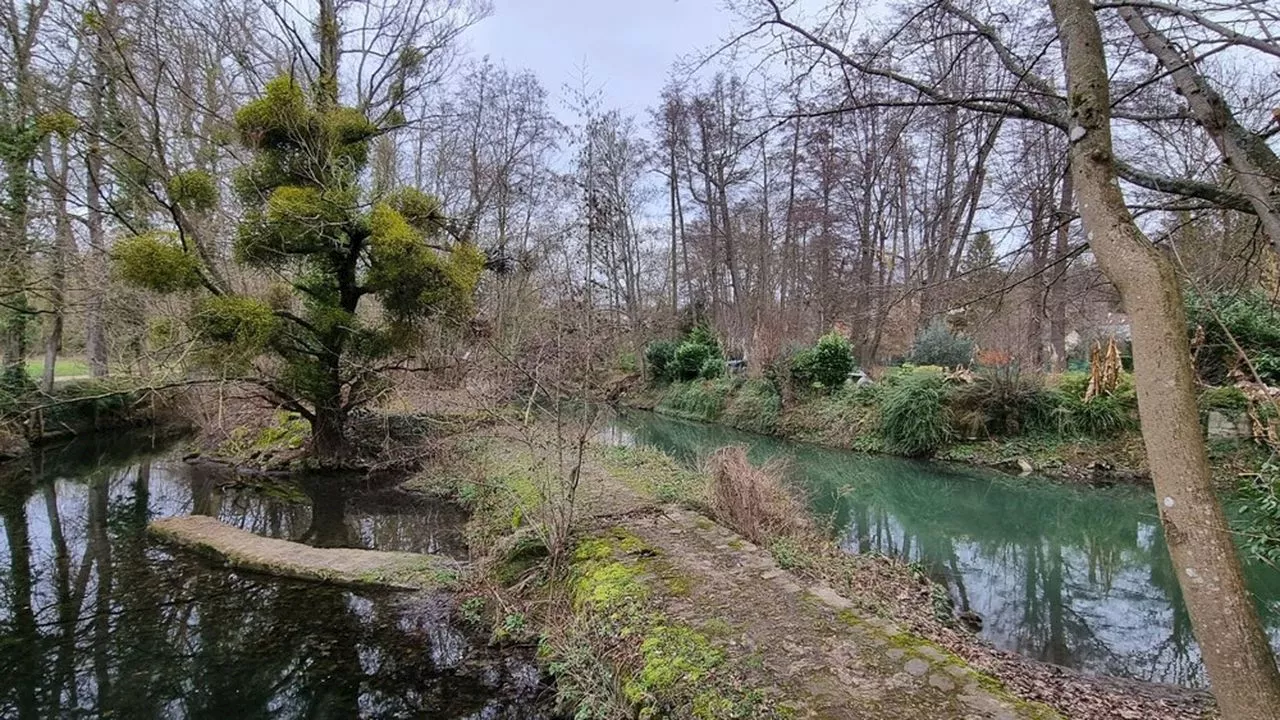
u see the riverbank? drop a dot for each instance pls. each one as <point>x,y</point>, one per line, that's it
<point>791,622</point>
<point>850,420</point>
<point>82,406</point>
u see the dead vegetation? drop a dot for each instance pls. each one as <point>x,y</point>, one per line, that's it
<point>754,500</point>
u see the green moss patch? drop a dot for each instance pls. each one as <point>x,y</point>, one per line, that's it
<point>619,636</point>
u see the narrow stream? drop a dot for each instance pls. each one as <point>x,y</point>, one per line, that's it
<point>97,620</point>
<point>1071,575</point>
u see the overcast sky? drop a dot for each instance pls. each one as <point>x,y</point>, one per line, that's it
<point>627,46</point>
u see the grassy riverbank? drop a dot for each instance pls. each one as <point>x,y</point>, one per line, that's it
<point>659,608</point>
<point>1004,423</point>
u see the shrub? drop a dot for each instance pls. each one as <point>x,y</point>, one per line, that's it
<point>702,335</point>
<point>1102,416</point>
<point>937,345</point>
<point>1258,506</point>
<point>92,403</point>
<point>659,358</point>
<point>712,368</point>
<point>689,359</point>
<point>1251,318</point>
<point>827,364</point>
<point>1003,402</point>
<point>701,400</point>
<point>692,355</point>
<point>914,417</point>
<point>753,500</point>
<point>754,407</point>
<point>16,388</point>
<point>1073,384</point>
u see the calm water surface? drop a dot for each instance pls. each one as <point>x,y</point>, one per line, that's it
<point>97,620</point>
<point>1071,575</point>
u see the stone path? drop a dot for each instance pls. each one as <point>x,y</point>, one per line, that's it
<point>806,640</point>
<point>341,566</point>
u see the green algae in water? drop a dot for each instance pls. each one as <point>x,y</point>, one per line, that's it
<point>1072,575</point>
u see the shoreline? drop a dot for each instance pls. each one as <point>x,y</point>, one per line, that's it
<point>641,529</point>
<point>1119,460</point>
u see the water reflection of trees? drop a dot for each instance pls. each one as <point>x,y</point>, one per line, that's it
<point>1075,576</point>
<point>98,620</point>
<point>325,512</point>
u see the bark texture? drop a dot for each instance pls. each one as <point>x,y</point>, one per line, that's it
<point>1242,670</point>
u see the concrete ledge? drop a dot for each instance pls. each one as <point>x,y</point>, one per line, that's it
<point>244,550</point>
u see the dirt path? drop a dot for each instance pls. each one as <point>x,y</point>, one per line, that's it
<point>342,566</point>
<point>804,641</point>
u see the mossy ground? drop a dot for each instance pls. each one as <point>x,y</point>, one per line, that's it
<point>660,612</point>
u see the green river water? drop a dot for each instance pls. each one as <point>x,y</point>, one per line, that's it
<point>1076,576</point>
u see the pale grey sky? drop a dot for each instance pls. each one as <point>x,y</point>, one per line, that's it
<point>627,46</point>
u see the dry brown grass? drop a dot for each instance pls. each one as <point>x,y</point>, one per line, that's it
<point>754,500</point>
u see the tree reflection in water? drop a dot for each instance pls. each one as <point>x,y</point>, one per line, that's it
<point>1070,575</point>
<point>99,621</point>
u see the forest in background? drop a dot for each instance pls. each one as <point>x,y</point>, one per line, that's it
<point>323,206</point>
<point>771,205</point>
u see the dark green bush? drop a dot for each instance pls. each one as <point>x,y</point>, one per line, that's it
<point>689,359</point>
<point>914,417</point>
<point>1003,402</point>
<point>1251,318</point>
<point>937,345</point>
<point>693,356</point>
<point>712,368</point>
<point>659,358</point>
<point>827,364</point>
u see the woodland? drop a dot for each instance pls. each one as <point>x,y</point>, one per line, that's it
<point>1040,235</point>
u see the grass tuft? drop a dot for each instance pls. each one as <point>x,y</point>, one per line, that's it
<point>753,500</point>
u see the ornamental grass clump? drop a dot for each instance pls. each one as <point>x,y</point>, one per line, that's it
<point>915,419</point>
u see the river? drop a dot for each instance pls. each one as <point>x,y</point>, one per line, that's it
<point>99,620</point>
<point>1072,575</point>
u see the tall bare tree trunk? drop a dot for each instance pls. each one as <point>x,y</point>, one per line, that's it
<point>1242,670</point>
<point>1058,286</point>
<point>64,247</point>
<point>96,265</point>
<point>674,189</point>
